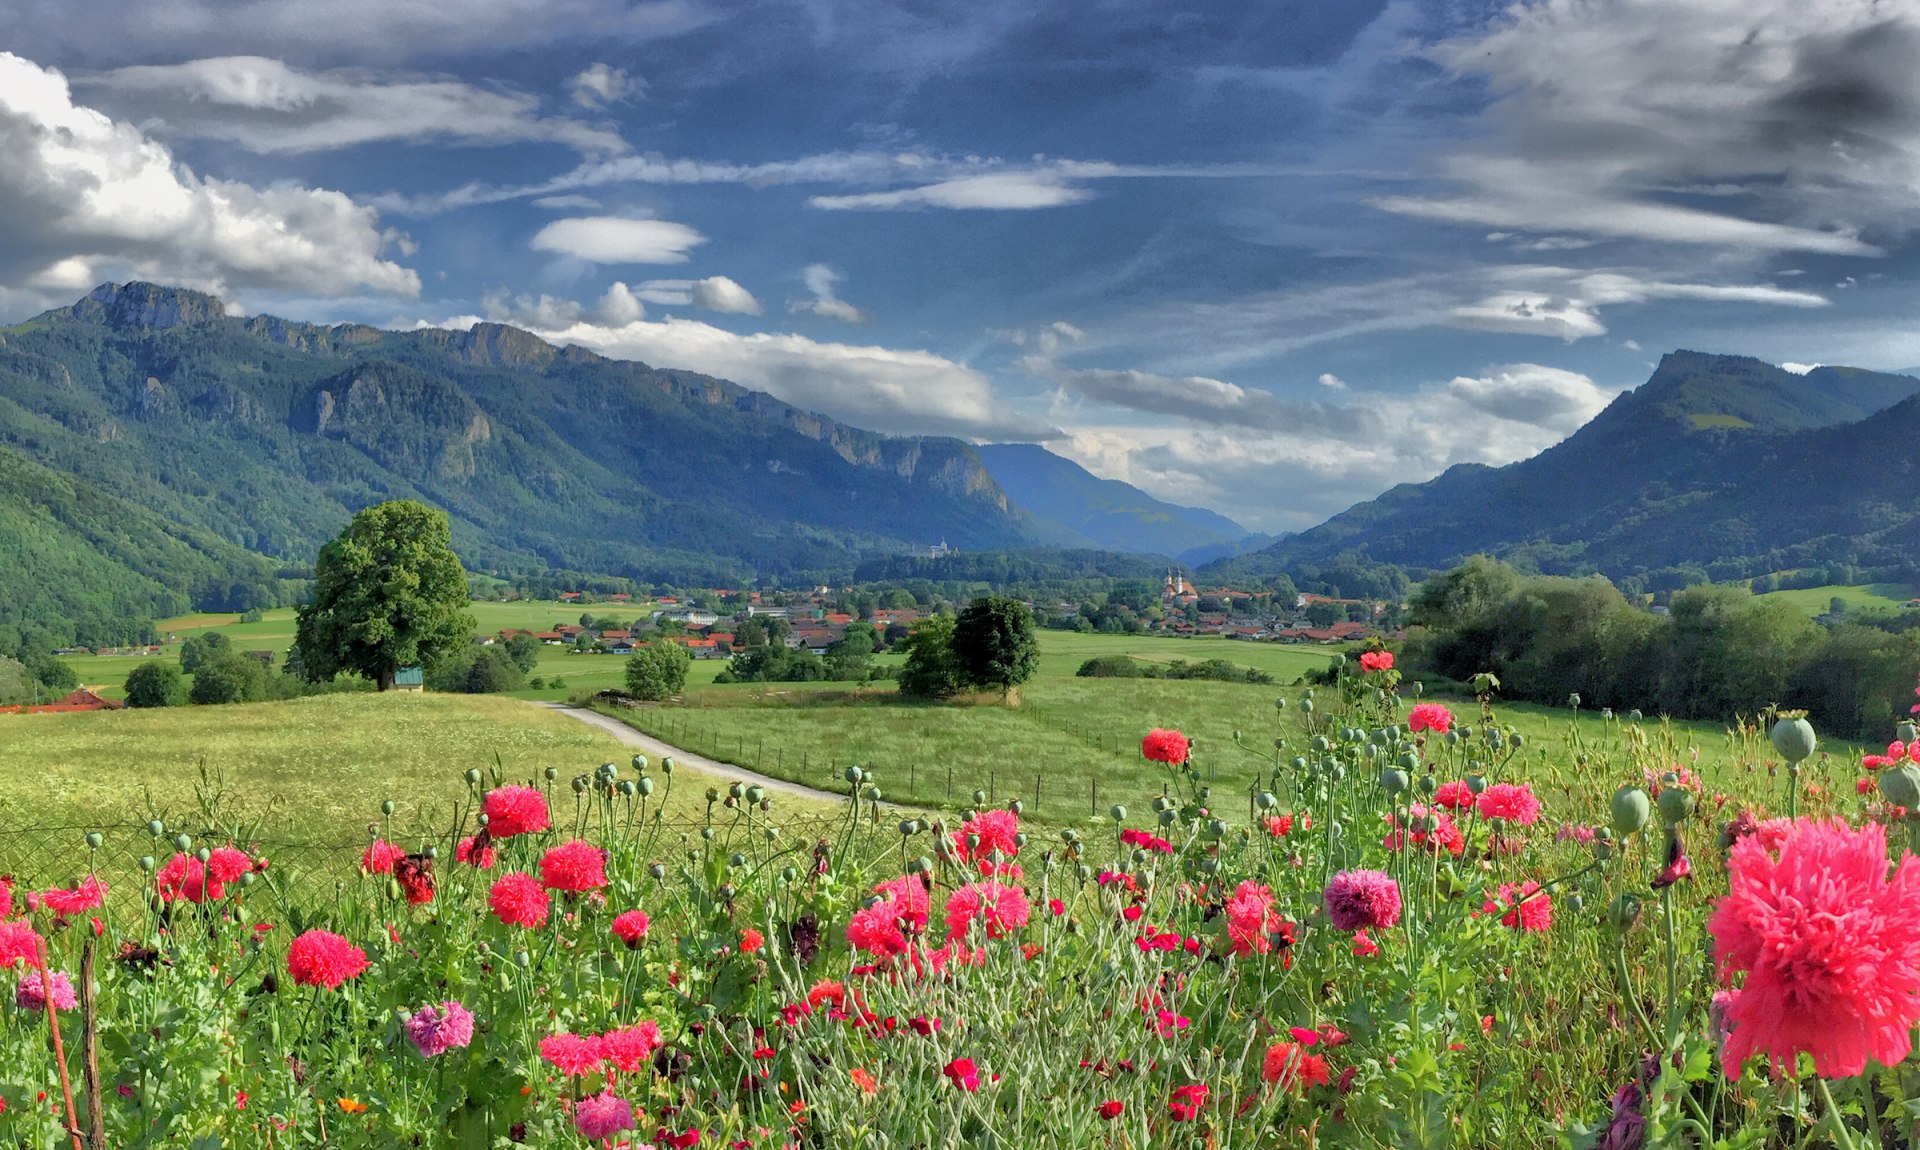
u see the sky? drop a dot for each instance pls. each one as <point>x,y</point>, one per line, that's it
<point>1266,258</point>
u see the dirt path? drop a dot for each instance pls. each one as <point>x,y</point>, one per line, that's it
<point>658,750</point>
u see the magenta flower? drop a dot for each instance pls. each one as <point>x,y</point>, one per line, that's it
<point>435,1030</point>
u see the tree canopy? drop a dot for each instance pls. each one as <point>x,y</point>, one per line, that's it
<point>994,644</point>
<point>388,593</point>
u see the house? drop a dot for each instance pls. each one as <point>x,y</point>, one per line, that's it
<point>265,658</point>
<point>609,636</point>
<point>80,700</point>
<point>620,647</point>
<point>550,638</point>
<point>701,648</point>
<point>410,679</point>
<point>570,596</point>
<point>621,597</point>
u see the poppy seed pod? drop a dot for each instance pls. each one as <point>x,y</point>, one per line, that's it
<point>657,870</point>
<point>666,764</point>
<point>639,762</point>
<point>1118,813</point>
<point>1901,785</point>
<point>1629,810</point>
<point>94,840</point>
<point>1393,781</point>
<point>1793,737</point>
<point>1624,912</point>
<point>1676,803</point>
<point>1476,784</point>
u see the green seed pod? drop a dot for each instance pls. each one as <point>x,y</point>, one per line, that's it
<point>1279,704</point>
<point>1167,818</point>
<point>580,784</point>
<point>551,773</point>
<point>628,788</point>
<point>706,833</point>
<point>872,794</point>
<point>851,775</point>
<point>666,764</point>
<point>1210,865</point>
<point>1901,785</point>
<point>156,828</point>
<point>148,863</point>
<point>94,840</point>
<point>386,808</point>
<point>1409,761</point>
<point>182,843</point>
<point>1371,752</point>
<point>1218,827</point>
<point>430,852</point>
<point>1635,715</point>
<point>1576,903</point>
<point>1427,784</point>
<point>1675,803</point>
<point>1016,806</point>
<point>644,786</point>
<point>726,892</point>
<point>924,863</point>
<point>1306,706</point>
<point>483,818</point>
<point>1793,737</point>
<point>866,776</point>
<point>1266,800</point>
<point>1299,763</point>
<point>713,794</point>
<point>1020,840</point>
<point>522,959</point>
<point>1205,793</point>
<point>657,871</point>
<point>756,793</point>
<point>393,890</point>
<point>1118,813</point>
<point>770,833</point>
<point>909,827</point>
<point>737,859</point>
<point>738,790</point>
<point>1517,739</point>
<point>788,874</point>
<point>1629,809</point>
<point>639,762</point>
<point>1476,784</point>
<point>979,798</point>
<point>1602,850</point>
<point>473,774</point>
<point>1393,781</point>
<point>1906,732</point>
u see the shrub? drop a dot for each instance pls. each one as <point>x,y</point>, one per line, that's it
<point>657,670</point>
<point>156,684</point>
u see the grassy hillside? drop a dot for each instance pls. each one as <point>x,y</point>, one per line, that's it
<point>1816,600</point>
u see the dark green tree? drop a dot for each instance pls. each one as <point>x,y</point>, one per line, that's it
<point>229,678</point>
<point>524,650</point>
<point>492,672</point>
<point>54,675</point>
<point>388,593</point>
<point>657,670</point>
<point>994,643</point>
<point>156,684</point>
<point>931,671</point>
<point>200,648</point>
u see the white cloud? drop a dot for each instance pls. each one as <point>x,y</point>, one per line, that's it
<point>264,105</point>
<point>886,389</point>
<point>1002,191</point>
<point>1751,125</point>
<point>1798,368</point>
<point>826,303</point>
<point>618,307</point>
<point>603,84</point>
<point>563,203</point>
<point>355,30</point>
<point>718,293</point>
<point>86,198</point>
<point>1279,464</point>
<point>616,240</point>
<point>1328,379</point>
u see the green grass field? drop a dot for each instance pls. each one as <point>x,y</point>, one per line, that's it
<point>312,769</point>
<point>1815,600</point>
<point>1076,742</point>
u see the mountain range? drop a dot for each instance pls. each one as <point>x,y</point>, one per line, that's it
<point>159,454</point>
<point>1718,465</point>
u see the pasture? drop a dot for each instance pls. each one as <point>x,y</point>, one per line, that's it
<point>1816,600</point>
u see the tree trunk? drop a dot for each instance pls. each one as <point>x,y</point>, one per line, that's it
<point>385,681</point>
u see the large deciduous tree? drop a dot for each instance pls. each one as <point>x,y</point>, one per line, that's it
<point>388,593</point>
<point>994,643</point>
<point>657,670</point>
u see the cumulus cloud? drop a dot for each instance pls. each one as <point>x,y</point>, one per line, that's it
<point>1752,125</point>
<point>822,281</point>
<point>714,293</point>
<point>264,105</point>
<point>885,389</point>
<point>1798,368</point>
<point>86,198</point>
<point>617,240</point>
<point>355,30</point>
<point>603,84</point>
<point>1278,464</point>
<point>1328,379</point>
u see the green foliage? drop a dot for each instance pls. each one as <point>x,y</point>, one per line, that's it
<point>657,670</point>
<point>491,672</point>
<point>16,683</point>
<point>931,671</point>
<point>524,650</point>
<point>156,684</point>
<point>230,678</point>
<point>1719,652</point>
<point>201,648</point>
<point>53,675</point>
<point>774,663</point>
<point>1215,670</point>
<point>994,644</point>
<point>388,593</point>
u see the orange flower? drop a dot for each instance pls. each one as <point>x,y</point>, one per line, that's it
<point>353,1106</point>
<point>865,1081</point>
<point>751,940</point>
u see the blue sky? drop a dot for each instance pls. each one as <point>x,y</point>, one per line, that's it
<point>1269,259</point>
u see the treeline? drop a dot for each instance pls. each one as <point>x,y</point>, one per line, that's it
<point>1719,651</point>
<point>1124,667</point>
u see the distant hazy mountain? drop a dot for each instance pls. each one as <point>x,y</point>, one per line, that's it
<point>156,453</point>
<point>1080,509</point>
<point>1721,463</point>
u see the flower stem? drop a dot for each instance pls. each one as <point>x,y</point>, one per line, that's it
<point>1842,1137</point>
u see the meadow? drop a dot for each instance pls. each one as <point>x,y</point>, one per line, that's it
<point>1408,926</point>
<point>1817,600</point>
